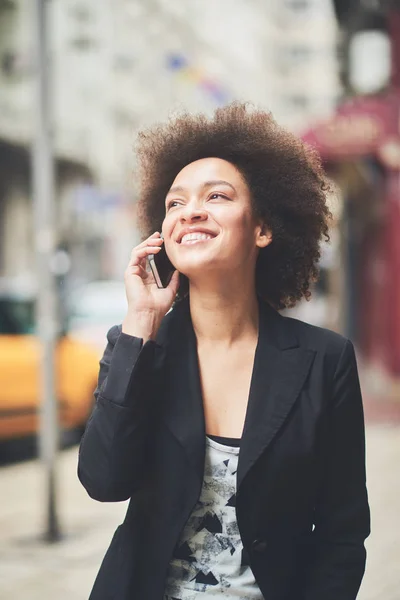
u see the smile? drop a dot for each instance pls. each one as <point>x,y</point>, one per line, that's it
<point>195,238</point>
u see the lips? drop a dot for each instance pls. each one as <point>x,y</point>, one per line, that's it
<point>194,236</point>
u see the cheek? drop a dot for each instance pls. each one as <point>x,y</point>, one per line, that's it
<point>168,226</point>
<point>167,230</point>
<point>240,228</point>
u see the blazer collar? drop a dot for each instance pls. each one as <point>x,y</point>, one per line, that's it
<point>280,369</point>
<point>183,405</point>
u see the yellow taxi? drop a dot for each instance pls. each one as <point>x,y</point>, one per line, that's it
<point>77,366</point>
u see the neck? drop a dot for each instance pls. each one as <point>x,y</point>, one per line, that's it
<point>224,314</point>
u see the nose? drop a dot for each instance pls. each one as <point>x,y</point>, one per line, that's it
<point>193,214</point>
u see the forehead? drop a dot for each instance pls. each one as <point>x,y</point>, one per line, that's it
<point>209,169</point>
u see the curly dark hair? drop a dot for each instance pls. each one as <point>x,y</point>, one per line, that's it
<point>287,184</point>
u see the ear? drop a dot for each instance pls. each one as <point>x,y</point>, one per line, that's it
<point>264,236</point>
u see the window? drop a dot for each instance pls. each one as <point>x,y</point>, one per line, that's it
<point>299,6</point>
<point>8,23</point>
<point>308,8</point>
<point>16,317</point>
<point>298,102</point>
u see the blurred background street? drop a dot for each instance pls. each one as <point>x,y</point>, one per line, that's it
<point>78,80</point>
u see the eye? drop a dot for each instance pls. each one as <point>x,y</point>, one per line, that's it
<point>173,204</point>
<point>216,195</point>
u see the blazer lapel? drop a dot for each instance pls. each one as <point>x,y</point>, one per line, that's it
<point>280,370</point>
<point>183,407</point>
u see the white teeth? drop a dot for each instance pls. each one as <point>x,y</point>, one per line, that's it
<point>195,236</point>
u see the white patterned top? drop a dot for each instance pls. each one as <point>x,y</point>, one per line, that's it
<point>208,560</point>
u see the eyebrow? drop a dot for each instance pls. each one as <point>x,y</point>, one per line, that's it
<point>207,184</point>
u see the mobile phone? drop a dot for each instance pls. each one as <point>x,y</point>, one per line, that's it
<point>161,267</point>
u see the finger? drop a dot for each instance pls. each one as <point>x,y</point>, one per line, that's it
<point>156,236</point>
<point>150,241</point>
<point>155,243</point>
<point>138,254</point>
<point>138,270</point>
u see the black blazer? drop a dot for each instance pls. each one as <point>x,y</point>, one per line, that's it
<point>301,506</point>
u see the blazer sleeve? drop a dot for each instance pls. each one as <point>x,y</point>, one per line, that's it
<point>112,450</point>
<point>342,517</point>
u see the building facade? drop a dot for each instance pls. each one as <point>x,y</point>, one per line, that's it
<point>117,66</point>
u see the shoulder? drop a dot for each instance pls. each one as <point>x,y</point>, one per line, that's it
<point>319,339</point>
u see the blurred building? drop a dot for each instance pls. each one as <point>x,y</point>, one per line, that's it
<point>119,65</point>
<point>361,148</point>
<point>305,68</point>
<point>16,129</point>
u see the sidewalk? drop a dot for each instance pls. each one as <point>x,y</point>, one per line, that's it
<point>31,570</point>
<point>381,396</point>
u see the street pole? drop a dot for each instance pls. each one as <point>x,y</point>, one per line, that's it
<point>44,231</point>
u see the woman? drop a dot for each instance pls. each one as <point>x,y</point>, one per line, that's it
<point>236,433</point>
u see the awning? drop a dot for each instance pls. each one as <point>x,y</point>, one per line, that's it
<point>360,127</point>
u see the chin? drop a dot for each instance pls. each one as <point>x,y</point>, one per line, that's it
<point>193,270</point>
<point>196,268</point>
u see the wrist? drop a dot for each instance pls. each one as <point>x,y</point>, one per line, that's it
<point>142,325</point>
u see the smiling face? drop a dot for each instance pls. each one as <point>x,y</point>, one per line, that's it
<point>209,224</point>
